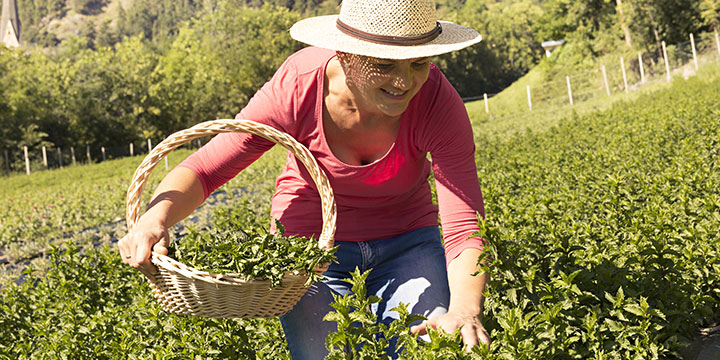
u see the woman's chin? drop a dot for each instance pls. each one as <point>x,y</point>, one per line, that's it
<point>393,111</point>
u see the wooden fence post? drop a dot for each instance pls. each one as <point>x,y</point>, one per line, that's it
<point>87,153</point>
<point>692,43</point>
<point>44,152</point>
<point>667,63</point>
<point>529,97</point>
<point>59,151</point>
<point>487,108</point>
<point>149,145</point>
<point>27,161</point>
<point>102,149</point>
<point>607,86</point>
<point>72,154</point>
<point>7,163</point>
<point>642,68</point>
<point>131,149</point>
<point>622,65</point>
<point>567,78</point>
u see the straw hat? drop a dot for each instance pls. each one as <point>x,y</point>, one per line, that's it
<point>389,29</point>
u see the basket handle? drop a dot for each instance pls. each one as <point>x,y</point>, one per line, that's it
<point>172,142</point>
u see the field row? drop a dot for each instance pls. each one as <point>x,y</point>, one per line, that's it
<point>86,204</point>
<point>603,234</point>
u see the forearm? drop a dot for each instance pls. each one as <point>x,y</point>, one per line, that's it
<point>175,198</point>
<point>465,289</point>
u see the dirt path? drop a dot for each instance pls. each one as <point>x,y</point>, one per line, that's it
<point>706,347</point>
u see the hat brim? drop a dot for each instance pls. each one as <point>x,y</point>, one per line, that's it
<point>321,31</point>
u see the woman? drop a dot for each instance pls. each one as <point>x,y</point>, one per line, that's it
<point>365,100</point>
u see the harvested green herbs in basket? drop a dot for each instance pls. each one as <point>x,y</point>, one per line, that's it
<point>239,243</point>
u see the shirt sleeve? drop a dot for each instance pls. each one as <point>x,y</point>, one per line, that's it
<point>223,157</point>
<point>449,139</point>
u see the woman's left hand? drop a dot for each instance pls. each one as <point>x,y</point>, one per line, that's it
<point>471,328</point>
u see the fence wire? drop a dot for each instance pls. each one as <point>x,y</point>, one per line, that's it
<point>616,75</point>
<point>14,160</point>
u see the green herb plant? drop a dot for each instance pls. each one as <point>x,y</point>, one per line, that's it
<point>360,336</point>
<point>240,243</point>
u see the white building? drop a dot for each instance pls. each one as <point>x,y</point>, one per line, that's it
<point>549,46</point>
<point>10,24</point>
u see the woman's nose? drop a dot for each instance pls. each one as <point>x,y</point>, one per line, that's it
<point>403,78</point>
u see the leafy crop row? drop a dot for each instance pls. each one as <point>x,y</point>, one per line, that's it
<point>91,306</point>
<point>605,230</point>
<point>47,207</point>
<point>604,234</point>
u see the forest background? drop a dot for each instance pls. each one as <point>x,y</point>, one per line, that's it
<point>94,73</point>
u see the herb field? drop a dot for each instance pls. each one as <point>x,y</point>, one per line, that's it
<point>604,236</point>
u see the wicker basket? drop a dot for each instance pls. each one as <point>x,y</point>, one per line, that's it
<point>182,289</point>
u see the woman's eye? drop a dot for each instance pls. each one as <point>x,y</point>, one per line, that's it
<point>384,66</point>
<point>420,64</point>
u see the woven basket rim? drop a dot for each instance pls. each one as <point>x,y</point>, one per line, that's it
<point>188,271</point>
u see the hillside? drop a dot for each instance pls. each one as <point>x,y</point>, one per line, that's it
<point>78,23</point>
<point>101,22</point>
<point>105,22</point>
<point>602,234</point>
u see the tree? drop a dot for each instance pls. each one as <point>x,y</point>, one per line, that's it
<point>105,36</point>
<point>24,99</point>
<point>710,13</point>
<point>623,24</point>
<point>7,125</point>
<point>664,20</point>
<point>31,13</point>
<point>100,97</point>
<point>214,66</point>
<point>508,50</point>
<point>158,21</point>
<point>589,27</point>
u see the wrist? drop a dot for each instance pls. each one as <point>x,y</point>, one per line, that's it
<point>466,309</point>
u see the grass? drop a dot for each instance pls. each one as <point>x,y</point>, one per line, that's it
<point>79,176</point>
<point>86,203</point>
<point>509,111</point>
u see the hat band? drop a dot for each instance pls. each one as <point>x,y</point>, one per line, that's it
<point>390,40</point>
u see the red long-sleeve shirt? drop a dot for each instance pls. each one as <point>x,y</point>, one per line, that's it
<point>386,198</point>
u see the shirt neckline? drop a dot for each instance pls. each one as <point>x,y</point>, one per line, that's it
<point>321,126</point>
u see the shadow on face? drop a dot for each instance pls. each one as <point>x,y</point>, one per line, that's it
<point>365,72</point>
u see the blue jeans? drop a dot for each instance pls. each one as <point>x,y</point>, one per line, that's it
<point>409,268</point>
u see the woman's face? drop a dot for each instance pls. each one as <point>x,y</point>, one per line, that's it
<point>384,85</point>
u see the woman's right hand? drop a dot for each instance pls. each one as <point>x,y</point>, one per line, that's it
<point>177,195</point>
<point>135,247</point>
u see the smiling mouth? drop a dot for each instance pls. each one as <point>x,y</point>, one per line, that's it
<point>398,94</point>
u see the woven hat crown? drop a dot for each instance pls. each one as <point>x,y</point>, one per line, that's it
<point>388,29</point>
<point>390,17</point>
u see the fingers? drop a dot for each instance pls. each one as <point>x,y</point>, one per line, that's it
<point>469,336</point>
<point>124,249</point>
<point>484,337</point>
<point>474,335</point>
<point>141,259</point>
<point>471,332</point>
<point>135,249</point>
<point>160,248</point>
<point>433,322</point>
<point>420,329</point>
